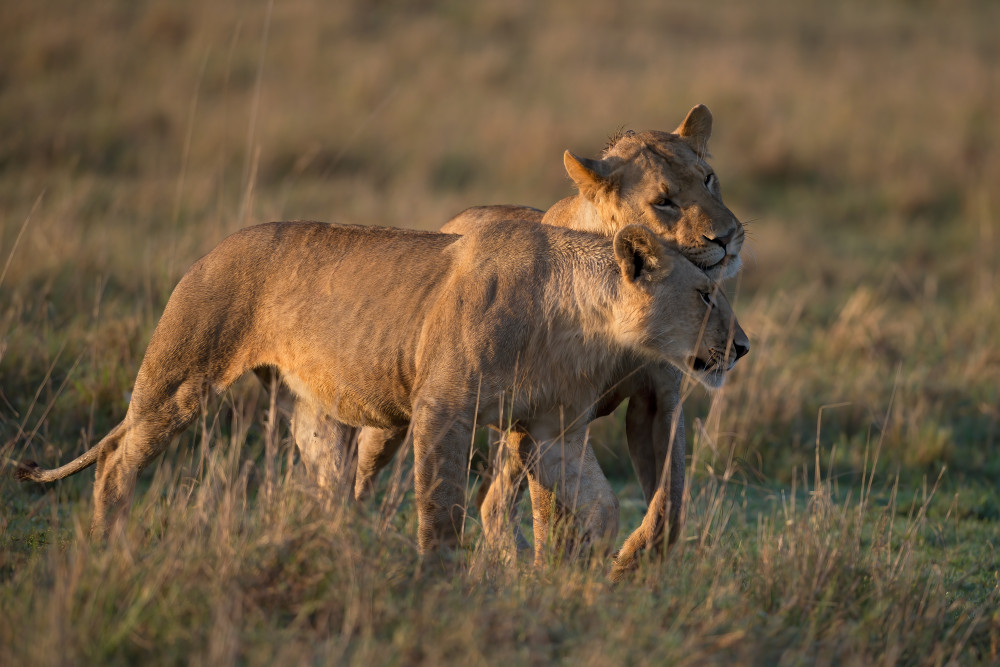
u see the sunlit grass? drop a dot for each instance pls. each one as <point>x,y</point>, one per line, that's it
<point>216,560</point>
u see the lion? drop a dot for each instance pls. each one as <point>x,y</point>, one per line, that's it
<point>386,327</point>
<point>662,180</point>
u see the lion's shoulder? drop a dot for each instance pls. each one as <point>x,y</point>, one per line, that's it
<point>472,218</point>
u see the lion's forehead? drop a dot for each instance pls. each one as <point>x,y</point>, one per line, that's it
<point>661,168</point>
<point>667,146</point>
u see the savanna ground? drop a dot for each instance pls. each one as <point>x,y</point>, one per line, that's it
<point>843,500</point>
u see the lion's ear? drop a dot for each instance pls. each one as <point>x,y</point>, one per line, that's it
<point>592,177</point>
<point>696,129</point>
<point>640,254</point>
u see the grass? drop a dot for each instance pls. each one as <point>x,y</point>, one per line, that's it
<point>843,505</point>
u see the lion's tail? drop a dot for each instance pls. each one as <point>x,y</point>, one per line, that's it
<point>30,471</point>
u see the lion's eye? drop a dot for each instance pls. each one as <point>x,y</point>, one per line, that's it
<point>664,202</point>
<point>707,298</point>
<point>710,181</point>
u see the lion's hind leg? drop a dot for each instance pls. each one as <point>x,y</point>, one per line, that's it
<point>327,447</point>
<point>153,419</point>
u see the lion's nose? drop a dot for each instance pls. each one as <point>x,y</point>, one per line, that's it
<point>721,240</point>
<point>741,344</point>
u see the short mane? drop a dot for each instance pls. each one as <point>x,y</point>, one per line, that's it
<point>620,133</point>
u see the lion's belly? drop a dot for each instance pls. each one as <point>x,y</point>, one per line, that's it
<point>354,402</point>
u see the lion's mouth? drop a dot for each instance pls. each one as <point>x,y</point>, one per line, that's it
<point>710,372</point>
<point>716,363</point>
<point>722,263</point>
<point>701,365</point>
<point>726,267</point>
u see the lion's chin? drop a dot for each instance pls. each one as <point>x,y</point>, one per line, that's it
<point>712,379</point>
<point>727,267</point>
<point>710,376</point>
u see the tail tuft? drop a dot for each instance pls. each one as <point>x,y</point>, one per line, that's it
<point>26,471</point>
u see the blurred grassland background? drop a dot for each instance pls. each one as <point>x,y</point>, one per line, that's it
<point>861,143</point>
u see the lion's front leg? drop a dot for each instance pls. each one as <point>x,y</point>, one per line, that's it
<point>441,441</point>
<point>654,427</point>
<point>649,534</point>
<point>655,431</point>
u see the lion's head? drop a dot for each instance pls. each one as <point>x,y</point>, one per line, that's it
<point>672,310</point>
<point>661,180</point>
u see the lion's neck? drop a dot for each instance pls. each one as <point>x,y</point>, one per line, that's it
<point>596,289</point>
<point>589,289</point>
<point>580,351</point>
<point>579,213</point>
<point>600,312</point>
